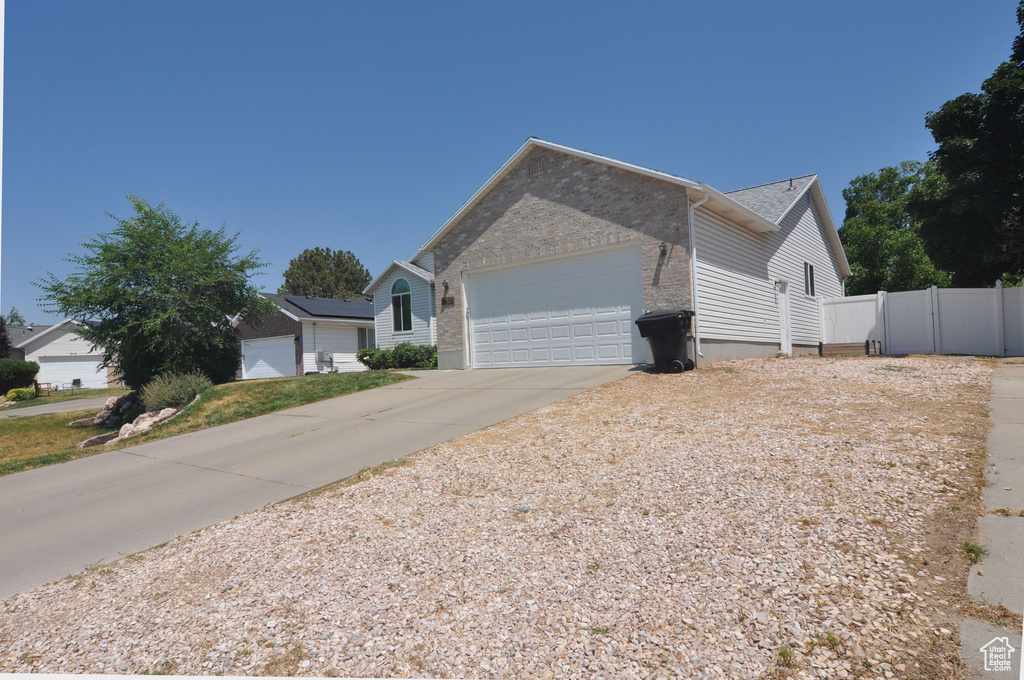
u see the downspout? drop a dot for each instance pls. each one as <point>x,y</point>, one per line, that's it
<point>693,270</point>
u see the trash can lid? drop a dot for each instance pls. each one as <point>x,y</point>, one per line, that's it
<point>660,314</point>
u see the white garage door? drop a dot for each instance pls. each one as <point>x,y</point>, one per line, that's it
<point>59,371</point>
<point>268,358</point>
<point>573,310</point>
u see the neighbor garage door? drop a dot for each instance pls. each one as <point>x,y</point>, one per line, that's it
<point>568,311</point>
<point>59,371</point>
<point>268,358</point>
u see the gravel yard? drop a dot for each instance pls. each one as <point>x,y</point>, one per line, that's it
<point>688,525</point>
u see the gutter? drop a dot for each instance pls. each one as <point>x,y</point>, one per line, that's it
<point>693,268</point>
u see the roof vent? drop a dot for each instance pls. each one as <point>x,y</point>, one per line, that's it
<point>536,167</point>
<point>790,182</point>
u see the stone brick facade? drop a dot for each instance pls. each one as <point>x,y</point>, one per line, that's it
<point>550,204</point>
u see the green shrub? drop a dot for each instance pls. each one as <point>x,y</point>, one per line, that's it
<point>21,394</point>
<point>171,390</point>
<point>404,355</point>
<point>374,359</point>
<point>16,373</point>
<point>407,355</point>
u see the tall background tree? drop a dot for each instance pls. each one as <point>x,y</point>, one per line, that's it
<point>971,210</point>
<point>5,340</point>
<point>16,319</point>
<point>157,293</point>
<point>881,237</point>
<point>325,273</point>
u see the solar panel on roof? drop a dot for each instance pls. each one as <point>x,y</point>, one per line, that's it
<point>332,308</point>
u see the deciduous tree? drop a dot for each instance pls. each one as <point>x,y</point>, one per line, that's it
<point>16,319</point>
<point>881,237</point>
<point>157,294</point>
<point>971,212</point>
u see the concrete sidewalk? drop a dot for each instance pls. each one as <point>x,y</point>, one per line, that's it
<point>58,520</point>
<point>999,577</point>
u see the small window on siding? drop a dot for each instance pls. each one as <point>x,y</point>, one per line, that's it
<point>808,279</point>
<point>401,306</point>
<point>367,338</point>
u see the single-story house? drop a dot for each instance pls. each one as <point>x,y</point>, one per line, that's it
<point>553,259</point>
<point>63,356</point>
<point>307,335</point>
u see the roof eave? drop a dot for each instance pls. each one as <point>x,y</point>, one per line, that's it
<point>723,205</point>
<point>833,233</point>
<point>529,145</point>
<point>350,320</point>
<point>46,332</point>
<point>422,274</point>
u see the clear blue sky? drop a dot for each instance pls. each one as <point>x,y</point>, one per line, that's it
<point>363,126</point>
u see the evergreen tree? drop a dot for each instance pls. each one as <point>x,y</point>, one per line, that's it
<point>326,273</point>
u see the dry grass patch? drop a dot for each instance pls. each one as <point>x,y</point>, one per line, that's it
<point>33,441</point>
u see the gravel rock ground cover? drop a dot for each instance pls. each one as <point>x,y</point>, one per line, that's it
<point>688,525</point>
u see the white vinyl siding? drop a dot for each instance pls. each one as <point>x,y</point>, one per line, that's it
<point>425,261</point>
<point>343,340</point>
<point>737,270</point>
<point>737,297</point>
<point>802,240</point>
<point>62,342</point>
<point>423,331</point>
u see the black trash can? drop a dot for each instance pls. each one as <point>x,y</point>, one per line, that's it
<point>666,331</point>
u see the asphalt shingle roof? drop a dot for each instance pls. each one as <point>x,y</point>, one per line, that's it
<point>772,200</point>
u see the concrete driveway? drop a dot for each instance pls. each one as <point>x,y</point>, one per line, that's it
<point>57,407</point>
<point>58,520</point>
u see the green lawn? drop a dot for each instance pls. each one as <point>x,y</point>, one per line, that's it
<point>34,441</point>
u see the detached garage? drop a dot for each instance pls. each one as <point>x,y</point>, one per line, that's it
<point>555,312</point>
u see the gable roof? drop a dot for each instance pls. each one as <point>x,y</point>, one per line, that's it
<point>772,200</point>
<point>775,200</point>
<point>23,334</point>
<point>31,336</point>
<point>311,308</point>
<point>717,201</point>
<point>409,267</point>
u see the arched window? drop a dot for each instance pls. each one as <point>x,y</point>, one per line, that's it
<point>401,305</point>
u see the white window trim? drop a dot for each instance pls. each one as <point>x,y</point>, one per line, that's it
<point>412,323</point>
<point>809,287</point>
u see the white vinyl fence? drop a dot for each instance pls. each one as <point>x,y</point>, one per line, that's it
<point>983,321</point>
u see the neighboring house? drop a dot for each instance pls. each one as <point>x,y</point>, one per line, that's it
<point>63,356</point>
<point>307,335</point>
<point>552,260</point>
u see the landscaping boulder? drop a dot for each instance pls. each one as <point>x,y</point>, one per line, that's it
<point>113,411</point>
<point>97,440</point>
<point>146,421</point>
